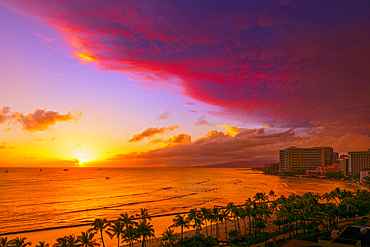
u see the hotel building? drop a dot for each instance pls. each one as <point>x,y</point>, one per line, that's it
<point>358,161</point>
<point>294,159</point>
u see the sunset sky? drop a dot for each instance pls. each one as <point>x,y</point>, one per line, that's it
<point>181,83</point>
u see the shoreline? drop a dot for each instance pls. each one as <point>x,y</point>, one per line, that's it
<point>160,222</point>
<point>367,187</point>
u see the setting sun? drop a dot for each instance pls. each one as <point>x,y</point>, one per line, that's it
<point>83,157</point>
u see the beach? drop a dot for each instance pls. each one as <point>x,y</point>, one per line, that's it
<point>37,200</point>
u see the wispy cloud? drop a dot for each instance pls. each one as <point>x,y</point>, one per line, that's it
<point>203,121</point>
<point>4,145</point>
<point>150,132</point>
<point>164,115</point>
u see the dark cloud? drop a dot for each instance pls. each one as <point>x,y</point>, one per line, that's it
<point>249,144</point>
<point>254,146</point>
<point>150,132</point>
<point>288,62</point>
<point>39,120</point>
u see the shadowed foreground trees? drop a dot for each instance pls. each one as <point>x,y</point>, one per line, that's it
<point>294,214</point>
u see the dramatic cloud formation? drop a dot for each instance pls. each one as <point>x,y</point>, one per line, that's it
<point>281,62</point>
<point>250,145</point>
<point>150,132</point>
<point>39,120</point>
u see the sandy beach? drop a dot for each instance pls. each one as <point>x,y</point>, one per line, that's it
<point>49,236</point>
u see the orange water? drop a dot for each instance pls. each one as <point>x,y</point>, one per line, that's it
<point>33,199</point>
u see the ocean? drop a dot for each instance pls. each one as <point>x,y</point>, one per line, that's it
<point>31,199</point>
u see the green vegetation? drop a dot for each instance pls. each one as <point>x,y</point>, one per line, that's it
<point>296,215</point>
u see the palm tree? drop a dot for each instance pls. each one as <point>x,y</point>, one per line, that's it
<point>260,196</point>
<point>224,216</point>
<point>232,209</point>
<point>4,242</point>
<point>130,235</point>
<point>216,217</point>
<point>19,242</point>
<point>195,217</point>
<point>42,244</point>
<point>272,194</point>
<point>144,230</point>
<point>115,229</point>
<point>127,220</point>
<point>204,213</point>
<point>61,242</point>
<point>100,225</point>
<point>72,241</point>
<point>181,221</point>
<point>144,215</point>
<point>170,236</point>
<point>87,239</point>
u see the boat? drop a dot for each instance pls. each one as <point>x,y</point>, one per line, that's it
<point>107,177</point>
<point>40,170</point>
<point>6,171</point>
<point>66,170</point>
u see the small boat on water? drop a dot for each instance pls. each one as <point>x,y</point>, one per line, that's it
<point>6,171</point>
<point>65,170</point>
<point>40,170</point>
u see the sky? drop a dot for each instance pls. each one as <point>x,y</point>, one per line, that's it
<point>147,83</point>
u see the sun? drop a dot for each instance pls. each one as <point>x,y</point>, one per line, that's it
<point>83,158</point>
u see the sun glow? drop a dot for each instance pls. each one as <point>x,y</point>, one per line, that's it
<point>83,158</point>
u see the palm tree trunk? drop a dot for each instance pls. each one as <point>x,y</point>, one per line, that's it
<point>102,240</point>
<point>182,231</point>
<point>245,227</point>
<point>225,228</point>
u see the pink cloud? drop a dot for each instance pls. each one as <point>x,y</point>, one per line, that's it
<point>286,62</point>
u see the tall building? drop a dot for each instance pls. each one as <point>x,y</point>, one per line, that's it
<point>300,159</point>
<point>358,161</point>
<point>344,164</point>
